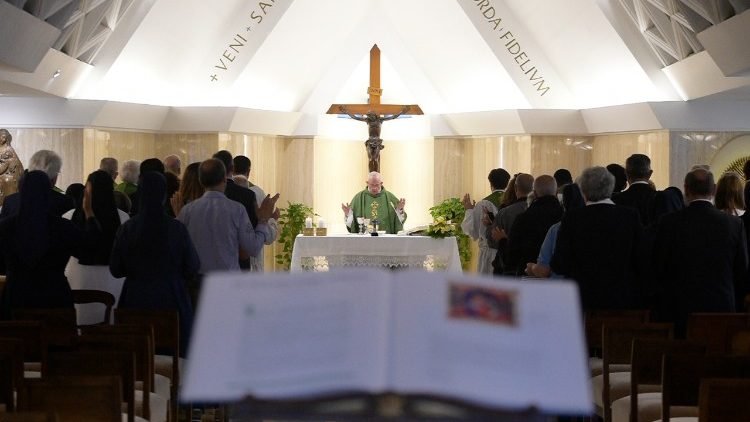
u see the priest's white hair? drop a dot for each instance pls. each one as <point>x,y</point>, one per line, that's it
<point>375,175</point>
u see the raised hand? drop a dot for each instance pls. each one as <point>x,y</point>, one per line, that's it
<point>401,203</point>
<point>176,202</point>
<point>346,208</point>
<point>266,209</point>
<point>468,203</point>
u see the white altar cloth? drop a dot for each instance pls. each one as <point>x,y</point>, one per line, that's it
<point>321,253</point>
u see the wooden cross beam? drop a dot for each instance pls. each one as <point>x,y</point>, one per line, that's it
<point>374,113</point>
<point>374,92</point>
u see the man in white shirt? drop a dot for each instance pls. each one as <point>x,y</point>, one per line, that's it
<point>218,226</point>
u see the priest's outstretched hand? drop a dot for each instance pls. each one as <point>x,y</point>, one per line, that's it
<point>468,203</point>
<point>400,206</point>
<point>347,208</point>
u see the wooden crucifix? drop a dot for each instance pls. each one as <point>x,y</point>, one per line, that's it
<point>374,113</point>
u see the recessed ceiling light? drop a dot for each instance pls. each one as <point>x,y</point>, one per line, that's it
<point>57,73</point>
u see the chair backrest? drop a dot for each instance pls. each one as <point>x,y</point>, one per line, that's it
<point>681,375</point>
<point>136,339</point>
<point>97,363</point>
<point>86,296</point>
<point>165,323</point>
<point>31,335</point>
<point>617,339</point>
<point>166,326</point>
<point>595,320</point>
<point>741,343</point>
<point>724,399</point>
<point>715,329</point>
<point>11,370</point>
<point>74,399</point>
<point>59,324</point>
<point>646,362</point>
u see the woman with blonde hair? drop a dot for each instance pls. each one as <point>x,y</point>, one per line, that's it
<point>730,197</point>
<point>190,187</point>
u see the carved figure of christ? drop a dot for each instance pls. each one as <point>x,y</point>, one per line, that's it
<point>374,113</point>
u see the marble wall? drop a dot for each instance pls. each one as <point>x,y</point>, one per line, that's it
<point>68,143</point>
<point>717,149</point>
<point>616,148</point>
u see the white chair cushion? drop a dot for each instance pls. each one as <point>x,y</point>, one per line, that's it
<point>621,407</point>
<point>619,386</point>
<point>32,374</point>
<point>135,419</point>
<point>161,385</point>
<point>158,406</point>
<point>163,366</point>
<point>596,365</point>
<point>649,408</point>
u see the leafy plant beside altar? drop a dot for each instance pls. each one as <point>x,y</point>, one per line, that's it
<point>292,221</point>
<point>447,218</point>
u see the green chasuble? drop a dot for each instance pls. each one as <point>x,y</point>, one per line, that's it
<point>127,188</point>
<point>381,207</point>
<point>495,197</point>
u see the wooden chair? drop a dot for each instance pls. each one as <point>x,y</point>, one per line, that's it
<point>595,320</point>
<point>97,363</point>
<point>715,329</point>
<point>75,399</point>
<point>166,326</point>
<point>11,370</point>
<point>134,339</point>
<point>681,376</point>
<point>740,343</point>
<point>31,334</point>
<point>645,375</point>
<point>617,347</point>
<point>593,323</point>
<point>28,417</point>
<point>59,325</point>
<point>86,297</point>
<point>724,400</point>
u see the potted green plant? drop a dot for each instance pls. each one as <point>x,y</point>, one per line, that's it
<point>451,212</point>
<point>292,221</point>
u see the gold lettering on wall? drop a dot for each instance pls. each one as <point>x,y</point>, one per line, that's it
<point>513,46</point>
<point>233,49</point>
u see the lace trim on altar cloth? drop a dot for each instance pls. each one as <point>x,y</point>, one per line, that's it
<point>325,263</point>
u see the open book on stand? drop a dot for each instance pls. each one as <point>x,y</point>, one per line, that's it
<point>487,341</point>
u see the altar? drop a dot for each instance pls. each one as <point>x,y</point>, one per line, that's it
<point>323,253</point>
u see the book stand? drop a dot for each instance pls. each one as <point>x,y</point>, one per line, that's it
<point>380,407</point>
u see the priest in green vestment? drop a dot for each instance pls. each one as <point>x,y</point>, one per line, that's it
<point>375,203</point>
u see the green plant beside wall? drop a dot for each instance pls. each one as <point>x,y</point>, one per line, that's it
<point>453,210</point>
<point>292,221</point>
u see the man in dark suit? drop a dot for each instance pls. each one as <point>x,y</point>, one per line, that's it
<point>530,228</point>
<point>639,193</point>
<point>237,193</point>
<point>598,246</point>
<point>700,255</point>
<point>50,163</point>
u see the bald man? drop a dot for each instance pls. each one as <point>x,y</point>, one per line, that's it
<point>172,164</point>
<point>700,256</point>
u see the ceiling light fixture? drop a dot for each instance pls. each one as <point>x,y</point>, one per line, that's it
<point>57,73</point>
